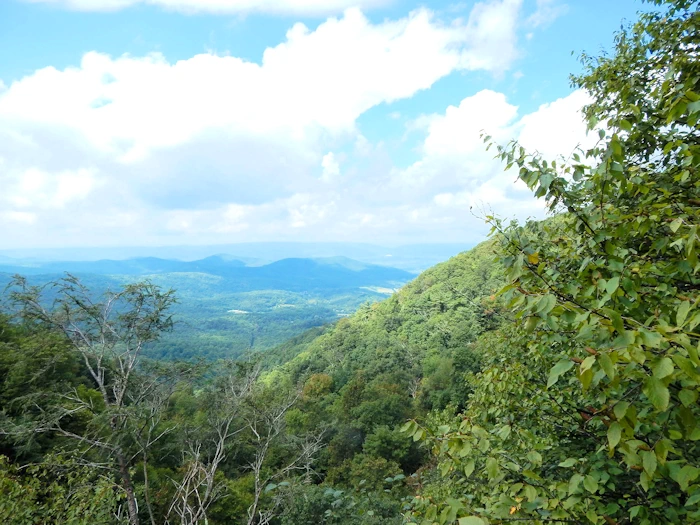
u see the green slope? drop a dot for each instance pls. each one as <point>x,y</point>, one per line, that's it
<point>439,313</point>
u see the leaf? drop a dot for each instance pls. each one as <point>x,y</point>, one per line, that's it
<point>685,364</point>
<point>590,484</point>
<point>663,368</point>
<point>492,468</point>
<point>656,392</point>
<point>607,365</point>
<point>587,363</point>
<point>682,313</point>
<point>613,284</point>
<point>560,368</point>
<point>614,434</point>
<point>688,397</point>
<point>471,520</point>
<point>620,409</point>
<point>469,468</point>
<point>568,462</point>
<point>534,457</point>
<point>531,323</point>
<point>616,320</point>
<point>546,303</point>
<point>648,461</point>
<point>676,224</point>
<point>686,475</point>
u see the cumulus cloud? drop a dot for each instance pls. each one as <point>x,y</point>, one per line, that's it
<point>315,82</point>
<point>546,12</point>
<point>280,7</point>
<point>124,150</point>
<point>461,174</point>
<point>331,168</point>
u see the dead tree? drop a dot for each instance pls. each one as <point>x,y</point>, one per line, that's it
<point>109,333</point>
<point>204,449</point>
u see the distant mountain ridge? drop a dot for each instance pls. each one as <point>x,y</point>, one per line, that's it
<point>294,274</point>
<point>411,257</point>
<point>227,308</point>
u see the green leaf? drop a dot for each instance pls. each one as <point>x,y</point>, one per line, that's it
<point>656,392</point>
<point>614,434</point>
<point>534,457</point>
<point>590,484</point>
<point>469,468</point>
<point>688,397</point>
<point>675,224</point>
<point>471,520</point>
<point>612,285</point>
<point>531,323</point>
<point>682,313</point>
<point>560,368</point>
<point>592,516</point>
<point>616,320</point>
<point>492,468</point>
<point>663,368</point>
<point>648,461</point>
<point>686,475</point>
<point>587,363</point>
<point>568,462</point>
<point>620,409</point>
<point>607,365</point>
<point>686,365</point>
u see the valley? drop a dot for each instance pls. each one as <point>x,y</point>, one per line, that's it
<point>227,308</point>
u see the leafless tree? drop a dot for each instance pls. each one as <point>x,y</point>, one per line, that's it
<point>247,413</point>
<point>266,422</point>
<point>109,333</point>
<point>204,449</point>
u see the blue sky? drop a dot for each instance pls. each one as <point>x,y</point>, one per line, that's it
<point>126,122</point>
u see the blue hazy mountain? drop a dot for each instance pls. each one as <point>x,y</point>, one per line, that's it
<point>227,307</point>
<point>294,274</point>
<point>411,257</point>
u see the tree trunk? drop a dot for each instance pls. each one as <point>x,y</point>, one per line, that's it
<point>129,489</point>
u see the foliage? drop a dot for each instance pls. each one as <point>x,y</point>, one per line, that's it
<point>56,492</point>
<point>589,412</point>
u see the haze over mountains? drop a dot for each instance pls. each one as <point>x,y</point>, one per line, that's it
<point>413,258</point>
<point>229,305</point>
<point>287,274</point>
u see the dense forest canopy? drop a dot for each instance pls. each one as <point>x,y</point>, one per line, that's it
<point>548,376</point>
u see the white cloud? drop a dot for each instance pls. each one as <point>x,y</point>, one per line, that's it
<point>491,31</point>
<point>557,128</point>
<point>36,188</point>
<point>546,12</point>
<point>218,149</point>
<point>280,7</point>
<point>459,173</point>
<point>331,168</point>
<point>315,82</point>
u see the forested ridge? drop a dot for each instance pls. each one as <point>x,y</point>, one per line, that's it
<point>548,376</point>
<point>227,309</point>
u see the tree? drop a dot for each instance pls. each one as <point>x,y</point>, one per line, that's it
<point>109,336</point>
<point>589,413</point>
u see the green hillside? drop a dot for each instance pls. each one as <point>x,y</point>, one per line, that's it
<point>549,376</point>
<point>429,323</point>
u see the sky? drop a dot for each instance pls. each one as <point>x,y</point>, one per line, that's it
<point>175,122</point>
